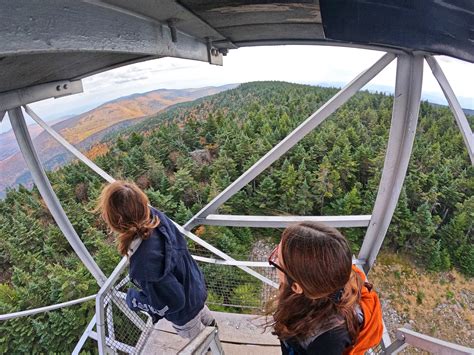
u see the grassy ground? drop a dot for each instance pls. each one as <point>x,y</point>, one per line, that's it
<point>436,304</point>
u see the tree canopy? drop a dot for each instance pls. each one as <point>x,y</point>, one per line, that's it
<point>335,170</point>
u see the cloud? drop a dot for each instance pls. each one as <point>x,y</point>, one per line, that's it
<point>129,80</point>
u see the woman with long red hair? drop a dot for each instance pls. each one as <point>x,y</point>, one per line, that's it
<point>323,305</point>
<point>170,283</point>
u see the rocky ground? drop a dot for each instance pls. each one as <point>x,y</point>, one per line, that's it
<point>436,304</point>
<point>261,250</point>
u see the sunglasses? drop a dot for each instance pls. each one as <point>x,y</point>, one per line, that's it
<point>273,261</point>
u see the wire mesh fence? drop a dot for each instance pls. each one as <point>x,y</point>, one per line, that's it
<point>231,289</point>
<point>126,331</point>
<point>377,350</point>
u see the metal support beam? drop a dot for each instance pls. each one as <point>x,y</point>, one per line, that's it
<point>84,337</point>
<point>207,339</point>
<point>231,263</point>
<point>456,108</point>
<point>282,221</point>
<point>16,98</point>
<point>249,263</point>
<point>406,105</point>
<point>90,26</point>
<point>395,347</point>
<point>68,145</point>
<point>41,180</point>
<point>110,179</point>
<point>113,346</point>
<point>53,307</point>
<point>386,341</point>
<point>100,321</point>
<point>110,321</point>
<point>294,137</point>
<point>172,14</point>
<point>421,341</point>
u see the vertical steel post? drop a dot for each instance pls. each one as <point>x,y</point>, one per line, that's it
<point>406,105</point>
<point>84,337</point>
<point>101,322</point>
<point>110,322</point>
<point>41,180</point>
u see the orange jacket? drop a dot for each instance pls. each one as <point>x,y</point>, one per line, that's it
<point>371,333</point>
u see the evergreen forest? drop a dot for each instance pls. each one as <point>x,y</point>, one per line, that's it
<point>186,155</point>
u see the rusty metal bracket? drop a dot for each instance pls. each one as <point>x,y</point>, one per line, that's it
<point>213,54</point>
<point>172,26</point>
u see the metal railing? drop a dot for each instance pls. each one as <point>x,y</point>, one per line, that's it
<point>207,340</point>
<point>283,221</point>
<point>227,287</point>
<point>118,327</point>
<point>31,312</point>
<point>406,337</point>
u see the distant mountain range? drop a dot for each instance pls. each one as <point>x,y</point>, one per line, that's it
<point>8,142</point>
<point>436,98</point>
<point>88,128</point>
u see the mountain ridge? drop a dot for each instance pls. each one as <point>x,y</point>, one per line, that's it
<point>89,127</point>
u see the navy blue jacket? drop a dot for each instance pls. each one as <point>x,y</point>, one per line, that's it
<point>172,285</point>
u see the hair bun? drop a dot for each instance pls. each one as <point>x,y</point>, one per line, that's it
<point>138,229</point>
<point>143,231</point>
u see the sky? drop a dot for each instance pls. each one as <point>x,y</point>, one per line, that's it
<point>314,65</point>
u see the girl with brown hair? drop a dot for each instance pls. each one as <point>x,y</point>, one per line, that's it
<point>170,282</point>
<point>323,305</point>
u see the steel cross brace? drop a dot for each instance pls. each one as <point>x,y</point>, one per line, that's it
<point>293,138</point>
<point>110,179</point>
<point>68,145</point>
<point>456,108</point>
